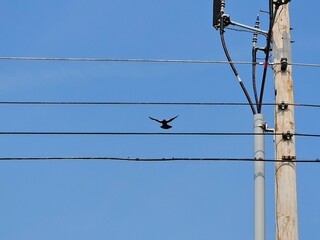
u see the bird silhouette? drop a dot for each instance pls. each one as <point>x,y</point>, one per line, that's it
<point>164,122</point>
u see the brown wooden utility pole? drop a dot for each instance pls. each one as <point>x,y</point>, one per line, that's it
<point>285,172</point>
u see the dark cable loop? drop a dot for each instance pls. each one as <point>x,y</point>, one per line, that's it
<point>272,16</point>
<point>254,66</point>
<point>232,65</point>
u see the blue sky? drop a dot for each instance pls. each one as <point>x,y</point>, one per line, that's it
<point>137,200</point>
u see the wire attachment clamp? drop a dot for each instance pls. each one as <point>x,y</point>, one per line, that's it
<point>284,64</point>
<point>287,136</point>
<point>288,158</point>
<point>283,106</point>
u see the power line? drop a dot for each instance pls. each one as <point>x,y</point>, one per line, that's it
<point>238,30</point>
<point>285,135</point>
<point>306,135</point>
<point>133,133</point>
<point>272,14</point>
<point>157,159</point>
<point>146,103</point>
<point>118,103</point>
<point>122,60</point>
<point>304,64</point>
<point>84,59</point>
<point>226,51</point>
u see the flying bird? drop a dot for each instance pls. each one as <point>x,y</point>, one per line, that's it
<point>164,122</point>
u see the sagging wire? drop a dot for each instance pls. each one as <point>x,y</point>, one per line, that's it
<point>229,58</point>
<point>272,15</point>
<point>153,103</point>
<point>284,135</point>
<point>141,159</point>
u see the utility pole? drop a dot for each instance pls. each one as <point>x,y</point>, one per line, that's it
<point>259,179</point>
<point>285,172</point>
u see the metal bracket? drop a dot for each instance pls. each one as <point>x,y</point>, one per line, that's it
<point>284,64</point>
<point>287,136</point>
<point>281,2</point>
<point>283,106</point>
<point>265,127</point>
<point>227,21</point>
<point>288,158</point>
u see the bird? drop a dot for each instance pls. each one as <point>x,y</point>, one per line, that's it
<point>164,122</point>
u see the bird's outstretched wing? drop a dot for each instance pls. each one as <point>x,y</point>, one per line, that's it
<point>154,119</point>
<point>169,120</point>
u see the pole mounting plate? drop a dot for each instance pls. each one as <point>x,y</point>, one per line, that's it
<point>283,106</point>
<point>288,158</point>
<point>287,136</point>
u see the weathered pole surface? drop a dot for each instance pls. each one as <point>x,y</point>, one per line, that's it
<point>285,172</point>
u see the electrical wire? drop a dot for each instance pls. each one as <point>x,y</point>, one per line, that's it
<point>155,133</point>
<point>156,159</point>
<point>231,63</point>
<point>254,85</point>
<point>120,103</point>
<point>238,77</point>
<point>303,105</point>
<point>137,60</point>
<point>148,103</point>
<point>272,15</point>
<point>304,64</point>
<point>132,133</point>
<point>238,30</point>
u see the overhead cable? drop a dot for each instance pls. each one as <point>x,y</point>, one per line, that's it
<point>157,133</point>
<point>130,133</point>
<point>272,15</point>
<point>84,59</point>
<point>156,159</point>
<point>225,49</point>
<point>137,60</point>
<point>147,103</point>
<point>254,59</point>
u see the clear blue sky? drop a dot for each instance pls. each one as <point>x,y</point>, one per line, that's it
<point>134,200</point>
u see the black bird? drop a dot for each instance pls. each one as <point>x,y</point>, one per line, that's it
<point>164,122</point>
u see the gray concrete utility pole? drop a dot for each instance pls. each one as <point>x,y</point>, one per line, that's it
<point>259,179</point>
<point>285,172</point>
